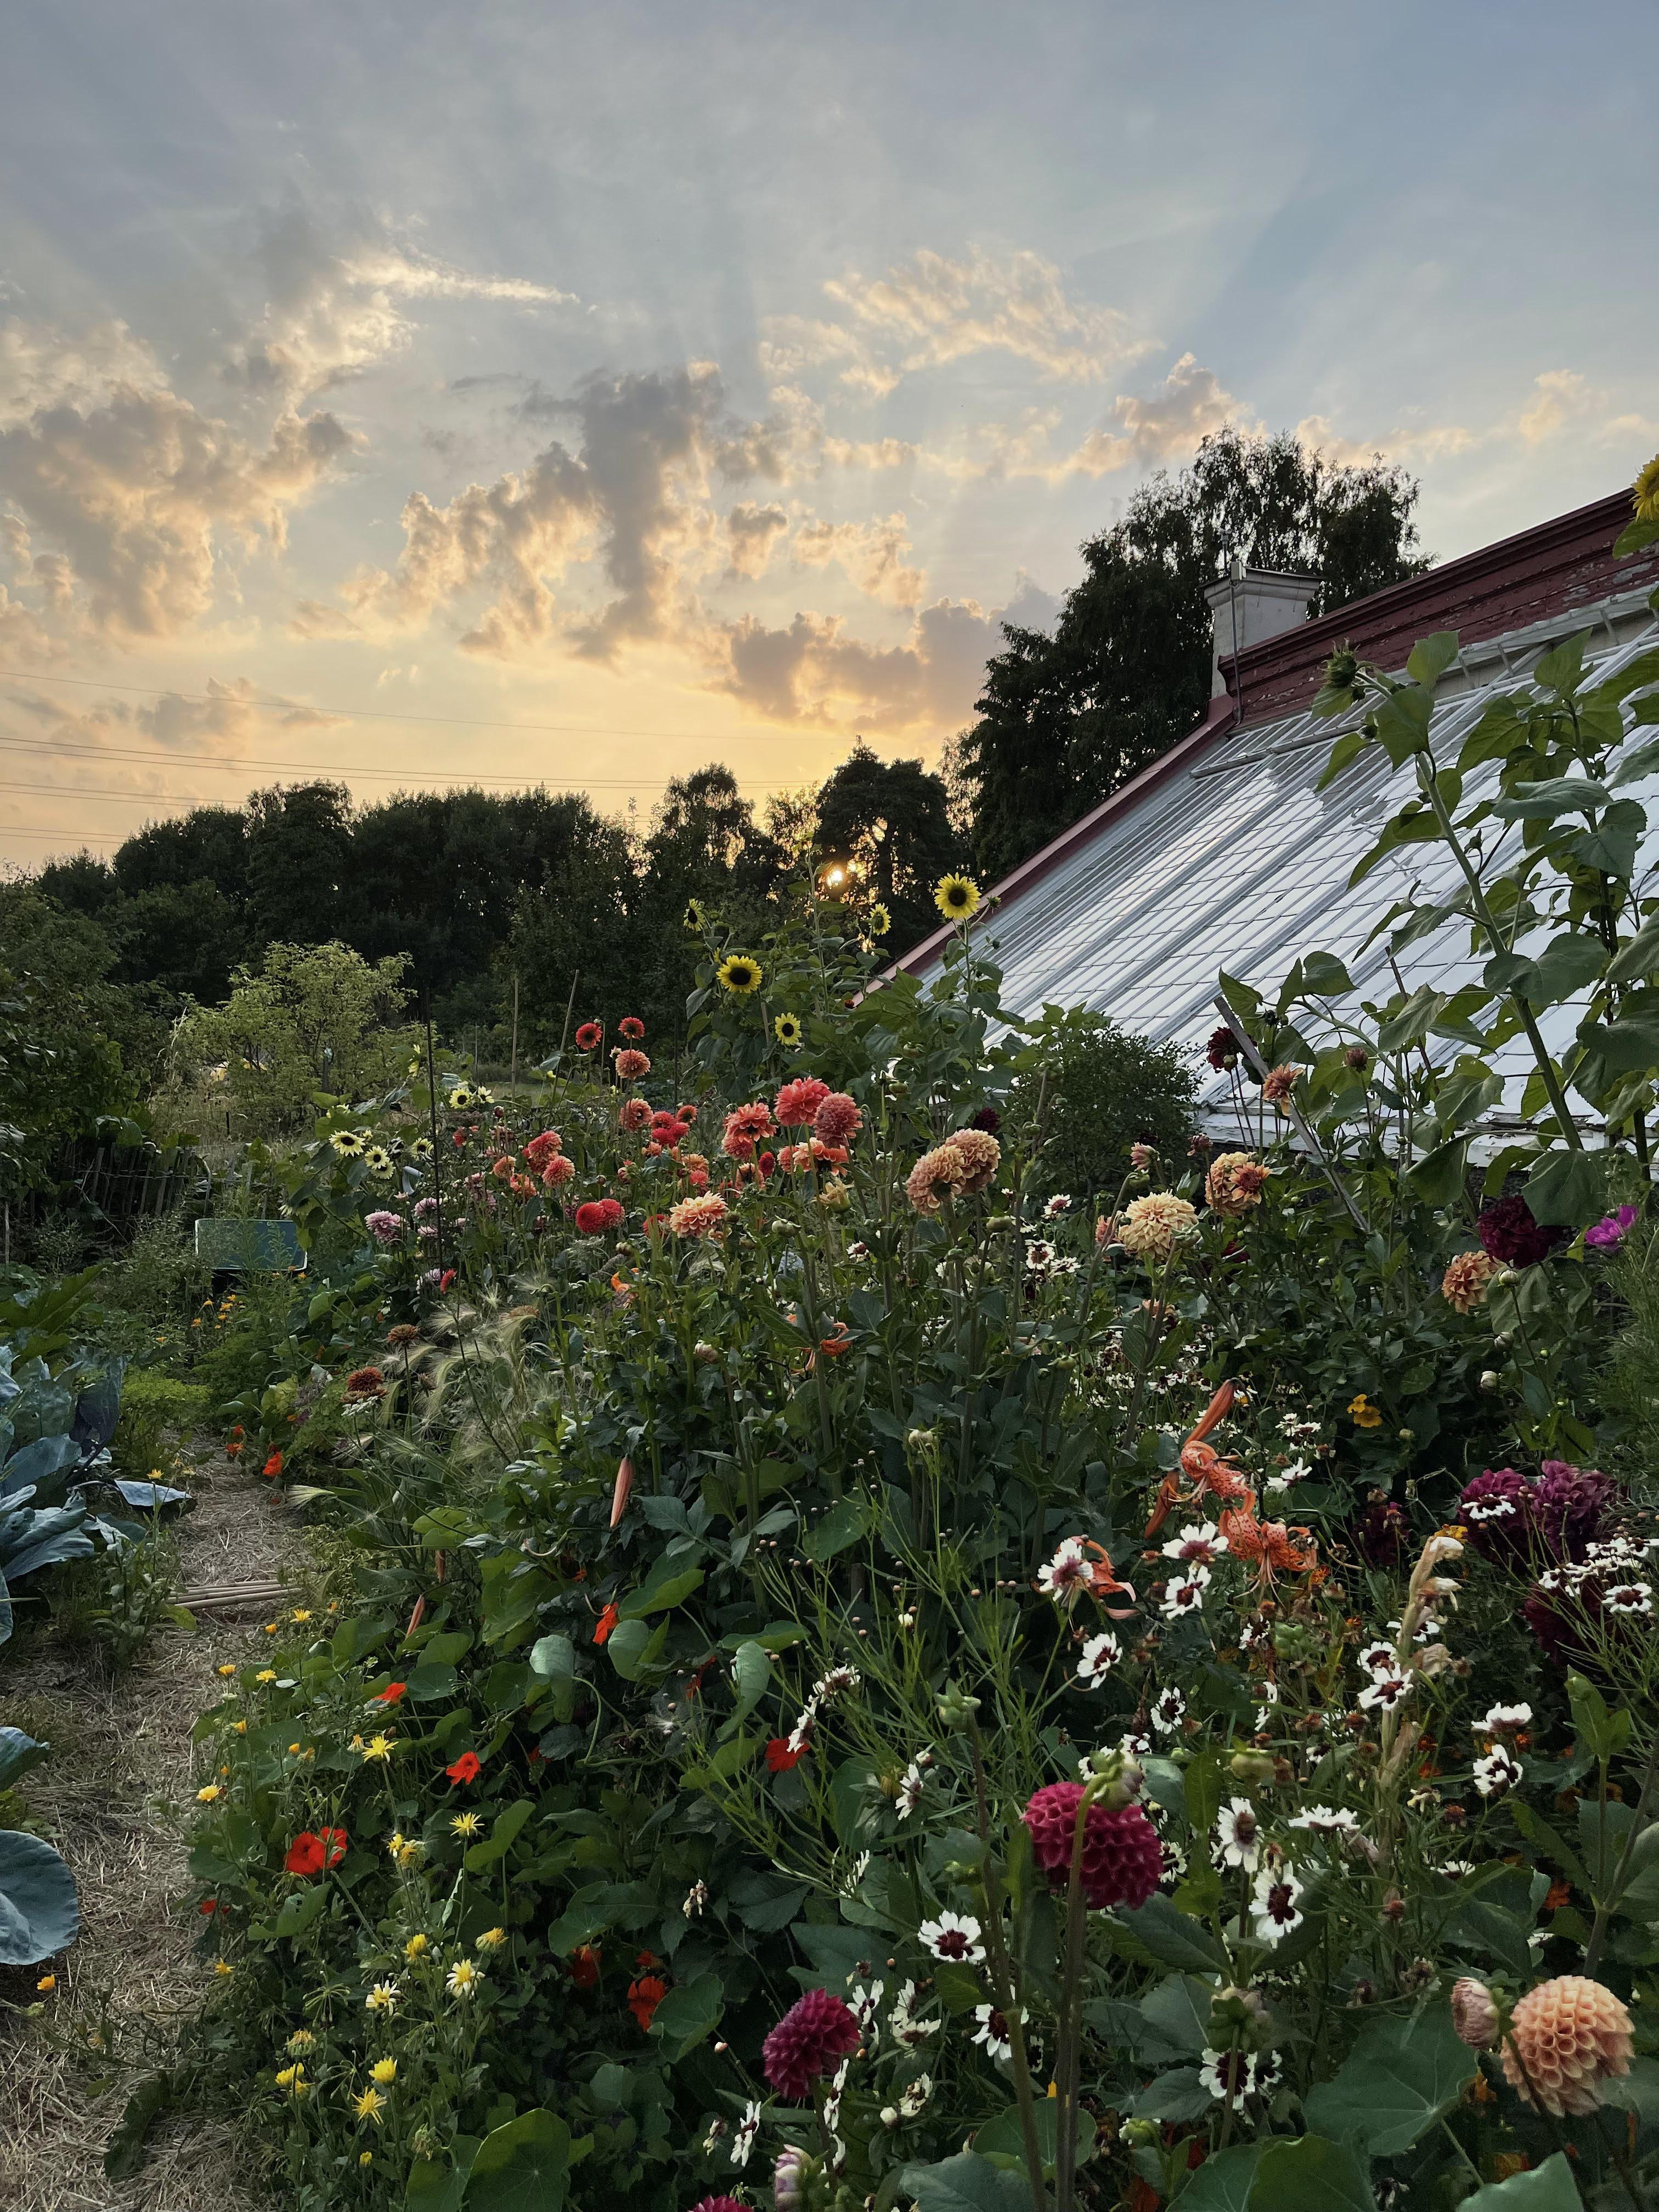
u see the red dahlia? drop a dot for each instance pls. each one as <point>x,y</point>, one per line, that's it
<point>1122,1858</point>
<point>806,2042</point>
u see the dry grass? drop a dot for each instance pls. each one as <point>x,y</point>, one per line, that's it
<point>114,1797</point>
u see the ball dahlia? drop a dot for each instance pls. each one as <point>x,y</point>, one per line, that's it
<point>1466,1280</point>
<point>935,1174</point>
<point>837,1119</point>
<point>981,1157</point>
<point>1566,2038</point>
<point>1513,1237</point>
<point>813,2034</point>
<point>1234,1184</point>
<point>1152,1226</point>
<point>1475,2016</point>
<point>797,1102</point>
<point>1123,1859</point>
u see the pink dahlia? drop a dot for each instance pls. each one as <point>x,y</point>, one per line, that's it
<point>797,1102</point>
<point>837,1119</point>
<point>813,2034</point>
<point>1122,1858</point>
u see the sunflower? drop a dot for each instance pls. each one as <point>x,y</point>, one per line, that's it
<point>1647,492</point>
<point>957,898</point>
<point>695,917</point>
<point>461,1099</point>
<point>786,1029</point>
<point>421,1148</point>
<point>378,1160</point>
<point>878,922</point>
<point>347,1143</point>
<point>740,974</point>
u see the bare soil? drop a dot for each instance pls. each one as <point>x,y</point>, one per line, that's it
<point>115,1797</point>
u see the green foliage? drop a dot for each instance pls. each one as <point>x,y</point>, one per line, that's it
<point>1090,1091</point>
<point>39,1911</point>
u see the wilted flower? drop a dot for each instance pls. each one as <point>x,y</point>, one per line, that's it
<point>1475,2015</point>
<point>1278,1083</point>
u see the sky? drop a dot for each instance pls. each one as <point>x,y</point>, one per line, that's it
<point>419,393</point>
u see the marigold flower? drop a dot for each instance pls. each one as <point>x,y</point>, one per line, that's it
<point>1151,1227</point>
<point>943,1171</point>
<point>818,2029</point>
<point>702,1216</point>
<point>740,974</point>
<point>957,897</point>
<point>1234,1184</point>
<point>1565,2038</point>
<point>1466,1280</point>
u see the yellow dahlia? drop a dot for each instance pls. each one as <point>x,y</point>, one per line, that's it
<point>1154,1225</point>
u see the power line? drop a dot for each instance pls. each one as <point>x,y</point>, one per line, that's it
<point>355,713</point>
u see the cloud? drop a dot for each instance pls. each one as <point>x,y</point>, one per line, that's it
<point>42,366</point>
<point>136,493</point>
<point>333,309</point>
<point>1431,442</point>
<point>870,553</point>
<point>1561,401</point>
<point>752,532</point>
<point>1189,404</point>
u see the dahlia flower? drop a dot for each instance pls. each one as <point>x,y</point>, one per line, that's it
<point>837,1119</point>
<point>631,1027</point>
<point>589,1037</point>
<point>1222,1051</point>
<point>634,1115</point>
<point>631,1065</point>
<point>384,1227</point>
<point>1513,1237</point>
<point>981,1156</point>
<point>1565,2038</point>
<point>1278,1083</point>
<point>1152,1226</point>
<point>797,1102</point>
<point>704,1216</point>
<point>1466,1280</point>
<point>1122,1861</point>
<point>816,2030</point>
<point>935,1174</point>
<point>559,1170</point>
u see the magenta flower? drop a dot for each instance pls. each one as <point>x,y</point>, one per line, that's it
<point>806,2042</point>
<point>1123,1859</point>
<point>1610,1232</point>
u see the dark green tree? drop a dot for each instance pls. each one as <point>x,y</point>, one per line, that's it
<point>299,857</point>
<point>889,821</point>
<point>1067,717</point>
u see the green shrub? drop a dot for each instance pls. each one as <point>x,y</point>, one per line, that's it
<point>155,1407</point>
<point>1096,1091</point>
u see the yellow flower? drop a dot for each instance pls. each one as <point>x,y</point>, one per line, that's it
<point>786,1029</point>
<point>225,1671</point>
<point>208,1796</point>
<point>382,1997</point>
<point>294,1750</point>
<point>239,1728</point>
<point>266,1674</point>
<point>492,1939</point>
<point>1647,492</point>
<point>292,2078</point>
<point>302,2040</point>
<point>299,1619</point>
<point>369,2104</point>
<point>379,1746</point>
<point>270,1628</point>
<point>462,1980</point>
<point>693,915</point>
<point>46,1982</point>
<point>395,1843</point>
<point>223,1968</point>
<point>416,1947</point>
<point>878,922</point>
<point>1363,1414</point>
<point>740,974</point>
<point>410,1855</point>
<point>957,897</point>
<point>466,1824</point>
<point>385,2071</point>
<point>365,2157</point>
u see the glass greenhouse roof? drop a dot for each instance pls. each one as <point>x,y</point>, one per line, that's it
<point>1238,863</point>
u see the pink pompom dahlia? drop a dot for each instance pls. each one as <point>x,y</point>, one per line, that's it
<point>1122,1858</point>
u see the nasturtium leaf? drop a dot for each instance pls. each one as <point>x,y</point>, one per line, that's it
<point>690,2011</point>
<point>1547,2188</point>
<point>1311,2174</point>
<point>524,2167</point>
<point>1180,2094</point>
<point>503,1834</point>
<point>966,2184</point>
<point>1399,2078</point>
<point>1223,2183</point>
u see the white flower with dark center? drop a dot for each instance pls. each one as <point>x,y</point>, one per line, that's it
<point>953,1936</point>
<point>1065,1578</point>
<point>1198,1545</point>
<point>864,2005</point>
<point>1481,1510</point>
<point>903,2024</point>
<point>1385,1693</point>
<point>1225,2074</point>
<point>992,2032</point>
<point>743,2136</point>
<point>915,2098</point>
<point>1065,1264</point>
<point>1379,1658</point>
<point>1265,2070</point>
<point>1238,1835</point>
<point>1498,1771</point>
<point>1629,1598</point>
<point>1184,1594</point>
<point>1039,1256</point>
<point>1169,1711</point>
<point>1325,1820</point>
<point>1503,1720</point>
<point>1135,1744</point>
<point>1100,1654</point>
<point>832,1684</point>
<point>1274,1903</point>
<point>909,1789</point>
<point>858,1250</point>
<point>1059,1204</point>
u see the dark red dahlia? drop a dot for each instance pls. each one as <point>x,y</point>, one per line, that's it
<point>987,1119</point>
<point>1223,1050</point>
<point>806,2042</point>
<point>1569,1504</point>
<point>1497,1510</point>
<point>1382,1532</point>
<point>1122,1858</point>
<point>1509,1232</point>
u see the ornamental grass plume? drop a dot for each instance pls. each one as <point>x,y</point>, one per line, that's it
<point>1565,2038</point>
<point>1150,1227</point>
<point>1466,1280</point>
<point>1234,1184</point>
<point>936,1176</point>
<point>813,2034</point>
<point>981,1156</point>
<point>1123,1859</point>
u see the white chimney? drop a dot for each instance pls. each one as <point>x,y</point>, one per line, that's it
<point>1249,604</point>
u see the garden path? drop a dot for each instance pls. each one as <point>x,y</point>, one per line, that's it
<point>114,1797</point>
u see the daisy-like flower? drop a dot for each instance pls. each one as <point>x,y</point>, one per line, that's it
<point>378,1160</point>
<point>915,2098</point>
<point>786,1029</point>
<point>1325,1820</point>
<point>369,2104</point>
<point>1645,497</point>
<point>463,1979</point>
<point>743,2136</point>
<point>348,1143</point>
<point>1273,1903</point>
<point>957,897</point>
<point>993,2033</point>
<point>1379,1658</point>
<point>1629,1598</point>
<point>1238,1835</point>
<point>1502,1720</point>
<point>864,2005</point>
<point>1498,1773</point>
<point>910,1790</point>
<point>1184,1594</point>
<point>1384,1691</point>
<point>1099,1655</point>
<point>383,2072</point>
<point>878,921</point>
<point>383,1998</point>
<point>1200,1545</point>
<point>491,1939</point>
<point>740,974</point>
<point>954,1936</point>
<point>903,2025</point>
<point>416,1947</point>
<point>1169,1711</point>
<point>209,1795</point>
<point>1059,1204</point>
<point>1066,1577</point>
<point>1039,1255</point>
<point>292,2079</point>
<point>466,1824</point>
<point>380,1748</point>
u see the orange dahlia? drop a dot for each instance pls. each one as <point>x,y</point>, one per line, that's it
<point>943,1171</point>
<point>1234,1184</point>
<point>981,1156</point>
<point>1467,1279</point>
<point>1566,2038</point>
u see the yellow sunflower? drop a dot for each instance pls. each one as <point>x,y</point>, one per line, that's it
<point>740,974</point>
<point>1647,492</point>
<point>694,915</point>
<point>347,1143</point>
<point>878,922</point>
<point>957,898</point>
<point>788,1031</point>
